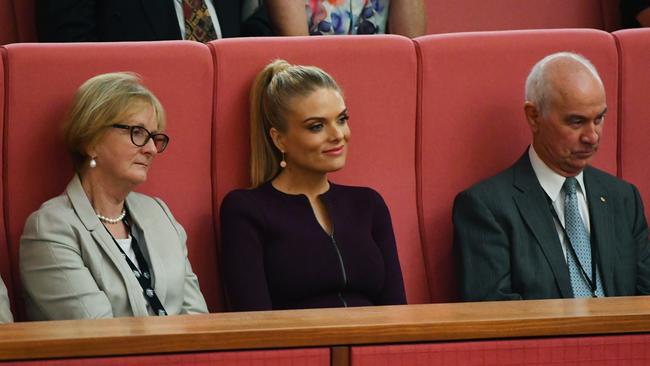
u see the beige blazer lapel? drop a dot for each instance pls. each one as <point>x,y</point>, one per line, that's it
<point>151,238</point>
<point>87,216</point>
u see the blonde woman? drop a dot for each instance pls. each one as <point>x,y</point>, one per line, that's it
<point>296,240</point>
<point>101,250</point>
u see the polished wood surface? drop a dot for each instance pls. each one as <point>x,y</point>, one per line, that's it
<point>324,327</point>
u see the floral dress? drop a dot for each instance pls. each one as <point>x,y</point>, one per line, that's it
<point>346,16</point>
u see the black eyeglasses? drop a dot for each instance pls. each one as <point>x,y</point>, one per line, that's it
<point>140,136</point>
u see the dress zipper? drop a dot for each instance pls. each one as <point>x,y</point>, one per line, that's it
<point>345,277</point>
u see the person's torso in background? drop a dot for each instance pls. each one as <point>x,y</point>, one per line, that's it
<point>347,16</point>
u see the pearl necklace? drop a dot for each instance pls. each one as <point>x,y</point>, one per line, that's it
<point>109,220</point>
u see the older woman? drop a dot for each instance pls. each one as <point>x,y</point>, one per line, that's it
<point>297,240</point>
<point>100,250</point>
<point>5,309</point>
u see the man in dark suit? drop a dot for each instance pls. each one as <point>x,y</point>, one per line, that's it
<point>123,20</point>
<point>551,226</point>
<point>635,13</point>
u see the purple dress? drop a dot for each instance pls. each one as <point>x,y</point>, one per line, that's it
<point>275,254</point>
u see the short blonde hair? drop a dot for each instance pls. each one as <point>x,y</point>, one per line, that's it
<point>100,102</point>
<point>274,88</point>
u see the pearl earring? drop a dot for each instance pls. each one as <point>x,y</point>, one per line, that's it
<point>283,164</point>
<point>93,163</point>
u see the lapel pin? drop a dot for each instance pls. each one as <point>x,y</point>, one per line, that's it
<point>602,199</point>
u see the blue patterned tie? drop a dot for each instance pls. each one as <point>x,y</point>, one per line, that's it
<point>579,239</point>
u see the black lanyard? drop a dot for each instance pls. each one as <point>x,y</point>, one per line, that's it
<point>143,275</point>
<point>591,281</point>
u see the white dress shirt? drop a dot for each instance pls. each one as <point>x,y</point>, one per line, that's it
<point>552,183</point>
<point>178,5</point>
<point>127,248</point>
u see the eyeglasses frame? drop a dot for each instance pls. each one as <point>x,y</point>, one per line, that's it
<point>149,137</point>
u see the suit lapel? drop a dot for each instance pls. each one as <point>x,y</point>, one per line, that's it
<point>533,206</point>
<point>86,214</point>
<point>150,238</point>
<point>229,16</point>
<point>601,227</point>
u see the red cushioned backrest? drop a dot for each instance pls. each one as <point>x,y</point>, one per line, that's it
<point>378,78</point>
<point>634,50</point>
<point>611,14</point>
<point>472,121</point>
<point>5,261</point>
<point>8,33</point>
<point>25,20</point>
<point>479,15</point>
<point>41,81</point>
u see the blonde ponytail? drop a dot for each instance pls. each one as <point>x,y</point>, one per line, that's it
<point>270,97</point>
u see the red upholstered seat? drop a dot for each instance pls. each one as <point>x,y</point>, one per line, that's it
<point>5,253</point>
<point>478,15</point>
<point>634,48</point>
<point>8,32</point>
<point>41,81</point>
<point>472,123</point>
<point>611,15</point>
<point>25,20</point>
<point>378,77</point>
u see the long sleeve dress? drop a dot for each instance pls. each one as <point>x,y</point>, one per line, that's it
<point>275,254</point>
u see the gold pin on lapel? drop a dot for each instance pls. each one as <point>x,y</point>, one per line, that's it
<point>602,199</point>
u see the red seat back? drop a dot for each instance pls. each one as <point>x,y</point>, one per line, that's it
<point>611,14</point>
<point>8,33</point>
<point>634,48</point>
<point>478,15</point>
<point>378,77</point>
<point>42,79</point>
<point>25,20</point>
<point>472,123</point>
<point>5,253</point>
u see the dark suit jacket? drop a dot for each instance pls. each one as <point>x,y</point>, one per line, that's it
<point>121,20</point>
<point>509,248</point>
<point>629,10</point>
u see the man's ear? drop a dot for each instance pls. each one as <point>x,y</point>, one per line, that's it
<point>532,115</point>
<point>278,139</point>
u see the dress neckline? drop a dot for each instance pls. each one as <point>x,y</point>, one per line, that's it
<point>279,192</point>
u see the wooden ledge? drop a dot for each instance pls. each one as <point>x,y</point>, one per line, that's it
<point>324,327</point>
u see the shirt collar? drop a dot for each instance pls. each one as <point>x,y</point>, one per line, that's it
<point>550,181</point>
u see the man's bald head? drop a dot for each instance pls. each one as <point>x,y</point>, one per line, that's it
<point>555,75</point>
<point>565,109</point>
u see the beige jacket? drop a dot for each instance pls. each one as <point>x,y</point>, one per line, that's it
<point>5,309</point>
<point>72,269</point>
